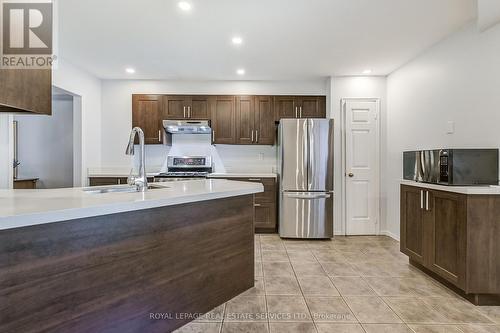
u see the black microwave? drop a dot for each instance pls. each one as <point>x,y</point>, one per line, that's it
<point>452,166</point>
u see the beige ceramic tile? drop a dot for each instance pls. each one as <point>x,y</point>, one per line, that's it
<point>329,309</point>
<point>277,269</point>
<point>386,328</point>
<point>475,328</point>
<point>281,285</point>
<point>317,286</point>
<point>249,327</point>
<point>301,256</point>
<point>274,256</point>
<point>246,308</point>
<point>369,309</point>
<point>493,312</point>
<point>456,310</point>
<point>352,286</point>
<point>435,328</point>
<point>414,310</point>
<point>338,269</point>
<point>258,269</point>
<point>195,327</point>
<point>287,309</point>
<point>339,328</point>
<point>308,269</point>
<point>292,327</point>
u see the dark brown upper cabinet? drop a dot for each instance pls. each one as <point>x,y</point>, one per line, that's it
<point>245,120</point>
<point>255,120</point>
<point>147,114</point>
<point>223,119</point>
<point>286,107</point>
<point>186,107</point>
<point>26,90</point>
<point>300,107</point>
<point>264,120</point>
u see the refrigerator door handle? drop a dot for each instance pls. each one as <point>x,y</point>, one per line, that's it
<point>308,196</point>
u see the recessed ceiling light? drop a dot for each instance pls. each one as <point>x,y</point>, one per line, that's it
<point>240,71</point>
<point>184,5</point>
<point>367,71</point>
<point>130,70</point>
<point>237,40</point>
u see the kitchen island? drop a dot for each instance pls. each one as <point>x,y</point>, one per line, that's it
<point>76,261</point>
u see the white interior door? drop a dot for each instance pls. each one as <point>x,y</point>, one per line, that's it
<point>361,167</point>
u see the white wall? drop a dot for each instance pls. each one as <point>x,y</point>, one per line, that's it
<point>87,90</point>
<point>117,118</point>
<point>353,87</point>
<point>45,145</point>
<point>457,80</point>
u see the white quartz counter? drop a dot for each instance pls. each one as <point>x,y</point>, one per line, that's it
<point>20,208</point>
<point>242,175</point>
<point>478,190</point>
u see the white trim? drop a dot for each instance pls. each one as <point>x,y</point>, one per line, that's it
<point>343,110</point>
<point>390,234</point>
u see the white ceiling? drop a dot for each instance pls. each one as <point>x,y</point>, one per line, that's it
<point>283,39</point>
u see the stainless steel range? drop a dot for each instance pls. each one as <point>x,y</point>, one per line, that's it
<point>186,167</point>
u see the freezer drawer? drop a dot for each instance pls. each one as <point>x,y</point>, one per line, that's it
<point>306,215</point>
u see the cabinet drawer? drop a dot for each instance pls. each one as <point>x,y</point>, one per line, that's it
<point>269,194</point>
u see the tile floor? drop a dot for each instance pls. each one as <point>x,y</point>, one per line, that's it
<point>353,284</point>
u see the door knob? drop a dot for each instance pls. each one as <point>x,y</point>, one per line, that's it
<point>351,174</point>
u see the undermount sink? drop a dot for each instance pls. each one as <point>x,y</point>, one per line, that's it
<point>118,189</point>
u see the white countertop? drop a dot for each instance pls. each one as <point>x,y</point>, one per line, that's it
<point>478,190</point>
<point>20,208</point>
<point>241,175</point>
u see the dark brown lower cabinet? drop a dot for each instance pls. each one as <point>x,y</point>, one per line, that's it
<point>454,238</point>
<point>265,205</point>
<point>106,181</point>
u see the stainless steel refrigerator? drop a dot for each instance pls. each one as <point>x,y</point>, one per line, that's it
<point>305,167</point>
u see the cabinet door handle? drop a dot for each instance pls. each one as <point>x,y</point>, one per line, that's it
<point>184,110</point>
<point>254,179</point>
<point>296,112</point>
<point>300,111</point>
<point>252,136</point>
<point>256,135</point>
<point>189,112</point>
<point>213,136</point>
<point>256,205</point>
<point>159,135</point>
<point>421,199</point>
<point>427,200</point>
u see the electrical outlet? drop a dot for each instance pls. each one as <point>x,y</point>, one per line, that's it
<point>450,127</point>
<point>261,156</point>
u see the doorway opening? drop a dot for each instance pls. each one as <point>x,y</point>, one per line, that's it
<point>361,166</point>
<point>47,149</point>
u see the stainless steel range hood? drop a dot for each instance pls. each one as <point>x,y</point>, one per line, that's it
<point>185,127</point>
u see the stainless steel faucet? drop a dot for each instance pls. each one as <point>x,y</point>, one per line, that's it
<point>141,181</point>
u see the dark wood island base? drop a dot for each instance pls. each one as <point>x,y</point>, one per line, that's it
<point>150,270</point>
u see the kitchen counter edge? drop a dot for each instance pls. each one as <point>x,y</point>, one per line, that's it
<point>469,190</point>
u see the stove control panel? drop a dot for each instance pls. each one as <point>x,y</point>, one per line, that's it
<point>189,162</point>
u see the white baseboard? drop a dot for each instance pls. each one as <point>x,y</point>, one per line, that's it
<point>390,234</point>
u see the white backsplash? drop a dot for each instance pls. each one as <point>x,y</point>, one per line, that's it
<point>226,158</point>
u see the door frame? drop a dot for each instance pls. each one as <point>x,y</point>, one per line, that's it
<point>343,110</point>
